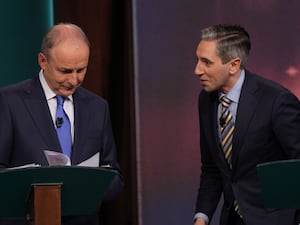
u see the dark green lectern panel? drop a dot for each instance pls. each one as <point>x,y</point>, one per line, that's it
<point>82,188</point>
<point>280,183</point>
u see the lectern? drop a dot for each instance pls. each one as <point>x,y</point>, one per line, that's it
<point>44,194</point>
<point>280,183</point>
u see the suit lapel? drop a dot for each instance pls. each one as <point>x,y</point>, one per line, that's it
<point>36,103</point>
<point>81,119</point>
<point>246,109</point>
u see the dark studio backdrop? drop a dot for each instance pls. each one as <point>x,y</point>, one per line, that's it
<point>166,37</point>
<point>142,62</point>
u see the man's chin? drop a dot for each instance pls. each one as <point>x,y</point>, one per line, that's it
<point>207,89</point>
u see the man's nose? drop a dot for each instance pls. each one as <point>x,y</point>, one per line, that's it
<point>198,69</point>
<point>73,78</point>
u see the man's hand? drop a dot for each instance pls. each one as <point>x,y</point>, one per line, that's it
<point>200,221</point>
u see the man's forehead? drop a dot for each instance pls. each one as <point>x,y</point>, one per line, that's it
<point>206,48</point>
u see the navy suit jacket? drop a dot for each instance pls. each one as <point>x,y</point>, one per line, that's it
<point>27,128</point>
<point>267,129</point>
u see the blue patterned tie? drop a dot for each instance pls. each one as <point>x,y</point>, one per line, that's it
<point>227,129</point>
<point>63,127</point>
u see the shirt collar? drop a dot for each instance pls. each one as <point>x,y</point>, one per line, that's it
<point>49,93</point>
<point>234,93</point>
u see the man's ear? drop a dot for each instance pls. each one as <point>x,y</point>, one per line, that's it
<point>42,60</point>
<point>234,65</point>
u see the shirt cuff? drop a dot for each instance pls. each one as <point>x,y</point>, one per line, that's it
<point>203,216</point>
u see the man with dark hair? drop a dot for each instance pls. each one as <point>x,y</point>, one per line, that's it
<point>244,120</point>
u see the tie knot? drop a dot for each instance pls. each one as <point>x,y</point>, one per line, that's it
<point>60,100</point>
<point>225,101</point>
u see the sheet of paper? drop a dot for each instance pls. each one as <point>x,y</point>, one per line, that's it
<point>92,161</point>
<point>57,158</point>
<point>25,166</point>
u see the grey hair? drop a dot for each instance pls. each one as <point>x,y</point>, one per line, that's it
<point>56,34</point>
<point>233,41</point>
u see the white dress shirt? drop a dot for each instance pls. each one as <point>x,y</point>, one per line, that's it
<point>52,103</point>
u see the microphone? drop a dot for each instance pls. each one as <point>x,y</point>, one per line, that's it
<point>59,121</point>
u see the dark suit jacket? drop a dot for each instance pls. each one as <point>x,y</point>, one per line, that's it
<point>26,129</point>
<point>267,129</point>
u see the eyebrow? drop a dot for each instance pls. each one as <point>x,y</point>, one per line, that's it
<point>203,59</point>
<point>69,70</point>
